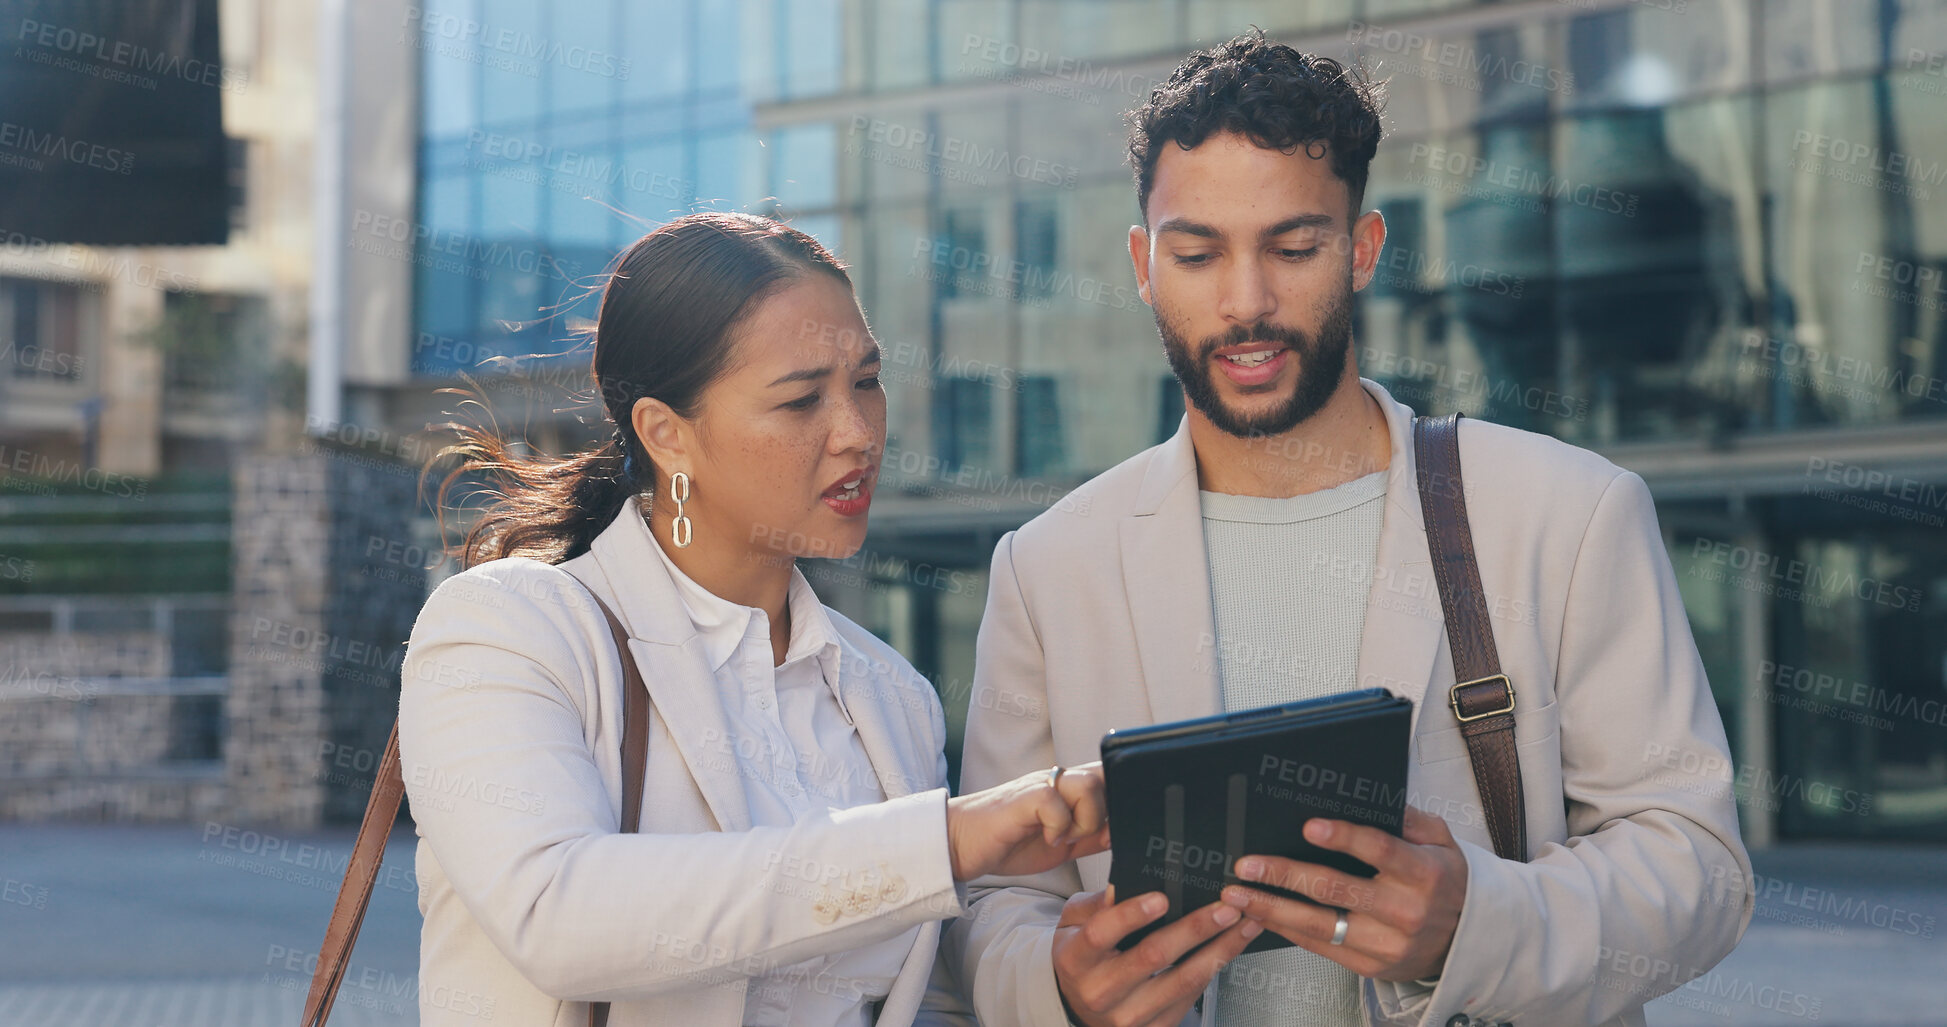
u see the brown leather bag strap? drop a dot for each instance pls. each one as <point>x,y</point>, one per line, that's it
<point>1482,697</point>
<point>348,913</point>
<point>389,788</point>
<point>635,749</point>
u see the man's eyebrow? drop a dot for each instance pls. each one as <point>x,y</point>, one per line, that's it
<point>1297,221</point>
<point>1185,226</point>
<point>812,374</point>
<point>1189,227</point>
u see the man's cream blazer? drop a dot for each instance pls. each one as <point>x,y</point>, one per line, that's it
<point>1099,617</point>
<point>510,736</point>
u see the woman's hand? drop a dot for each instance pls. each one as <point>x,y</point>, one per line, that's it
<point>1030,824</point>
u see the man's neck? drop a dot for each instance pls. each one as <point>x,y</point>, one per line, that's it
<point>1346,439</point>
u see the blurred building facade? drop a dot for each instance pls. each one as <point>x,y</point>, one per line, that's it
<point>183,625</point>
<point>1702,237</point>
<point>1693,235</point>
<point>132,378</point>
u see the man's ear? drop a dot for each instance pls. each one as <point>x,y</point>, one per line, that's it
<point>1139,258</point>
<point>1368,238</point>
<point>669,439</point>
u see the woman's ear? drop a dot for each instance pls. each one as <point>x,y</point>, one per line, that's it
<point>668,438</point>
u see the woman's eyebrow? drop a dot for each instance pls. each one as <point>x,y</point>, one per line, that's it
<point>809,374</point>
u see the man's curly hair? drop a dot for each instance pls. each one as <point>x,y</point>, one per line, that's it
<point>1268,92</point>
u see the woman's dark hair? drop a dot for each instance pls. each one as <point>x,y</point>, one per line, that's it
<point>667,311</point>
<point>1275,96</point>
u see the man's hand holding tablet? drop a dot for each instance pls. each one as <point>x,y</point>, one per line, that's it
<point>1103,984</point>
<point>1399,923</point>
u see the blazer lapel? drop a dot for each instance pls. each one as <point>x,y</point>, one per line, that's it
<point>1167,578</point>
<point>885,743</point>
<point>1399,647</point>
<point>683,692</point>
<point>682,687</point>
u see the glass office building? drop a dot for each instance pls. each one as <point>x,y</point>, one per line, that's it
<point>1707,238</point>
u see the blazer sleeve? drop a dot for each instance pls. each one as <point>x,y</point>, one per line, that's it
<point>507,792</point>
<point>1653,886</point>
<point>1003,950</point>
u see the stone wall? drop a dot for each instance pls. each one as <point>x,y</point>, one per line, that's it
<point>86,734</point>
<point>275,706</point>
<point>326,579</point>
<point>378,583</point>
<point>324,606</point>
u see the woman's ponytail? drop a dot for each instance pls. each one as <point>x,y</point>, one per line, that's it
<point>548,508</point>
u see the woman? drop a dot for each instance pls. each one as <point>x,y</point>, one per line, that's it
<point>797,848</point>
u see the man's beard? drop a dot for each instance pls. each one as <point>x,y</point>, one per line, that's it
<point>1321,363</point>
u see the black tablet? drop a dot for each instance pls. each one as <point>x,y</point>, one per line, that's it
<point>1187,799</point>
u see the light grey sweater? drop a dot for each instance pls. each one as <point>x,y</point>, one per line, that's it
<point>1288,585</point>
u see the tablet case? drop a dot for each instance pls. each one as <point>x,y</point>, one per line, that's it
<point>1186,799</point>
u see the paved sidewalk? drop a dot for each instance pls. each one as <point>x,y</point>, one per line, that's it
<point>193,927</point>
<point>1848,935</point>
<point>214,926</point>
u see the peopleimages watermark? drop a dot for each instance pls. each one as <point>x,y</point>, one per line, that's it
<point>367,987</point>
<point>20,893</point>
<point>92,266</point>
<point>285,859</point>
<point>41,360</point>
<point>1791,578</point>
<point>60,149</point>
<point>937,148</point>
<point>1711,776</point>
<point>1788,682</point>
<point>449,250</point>
<point>1694,987</point>
<point>370,439</point>
<point>1818,366</point>
<point>911,464</point>
<point>16,568</point>
<point>1405,268</point>
<point>1027,284</point>
<point>18,681</point>
<point>504,48</point>
<point>1520,187</point>
<point>1929,72</point>
<point>1876,491</point>
<point>559,376</point>
<point>1673,6</point>
<point>1408,374</point>
<point>565,169</point>
<point>1451,63</point>
<point>1821,909</point>
<point>1051,73</point>
<point>117,60</point>
<point>278,641</point>
<point>863,569</point>
<point>1902,281</point>
<point>436,788</point>
<point>907,363</point>
<point>1844,160</point>
<point>44,472</point>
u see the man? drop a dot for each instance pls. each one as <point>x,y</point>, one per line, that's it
<point>1275,549</point>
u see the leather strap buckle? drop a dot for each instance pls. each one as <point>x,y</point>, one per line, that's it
<point>1453,698</point>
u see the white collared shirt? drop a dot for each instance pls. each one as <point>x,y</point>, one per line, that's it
<point>797,753</point>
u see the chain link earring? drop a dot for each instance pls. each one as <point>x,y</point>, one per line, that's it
<point>682,532</point>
